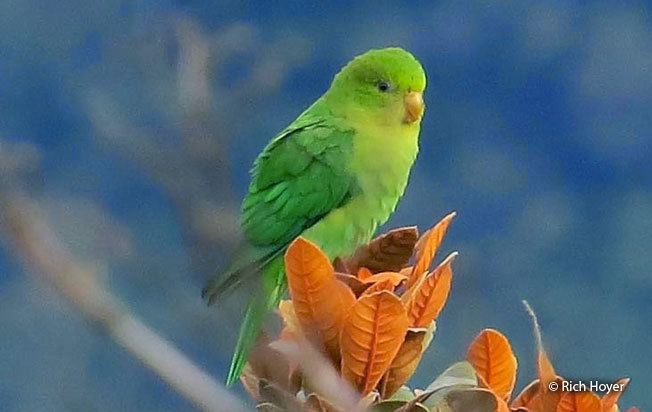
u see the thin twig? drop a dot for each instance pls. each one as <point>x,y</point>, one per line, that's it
<point>317,370</point>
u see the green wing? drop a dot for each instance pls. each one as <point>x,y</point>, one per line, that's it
<point>300,176</point>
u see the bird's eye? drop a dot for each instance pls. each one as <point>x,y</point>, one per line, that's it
<point>383,86</point>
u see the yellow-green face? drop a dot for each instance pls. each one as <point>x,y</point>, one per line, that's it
<point>386,81</point>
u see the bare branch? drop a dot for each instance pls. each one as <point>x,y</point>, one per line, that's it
<point>29,237</point>
<point>317,370</point>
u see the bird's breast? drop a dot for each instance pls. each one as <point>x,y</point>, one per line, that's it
<point>381,162</point>
<point>382,159</point>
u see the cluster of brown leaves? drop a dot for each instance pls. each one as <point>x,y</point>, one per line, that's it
<point>495,365</point>
<point>371,314</point>
<point>375,324</point>
<point>370,317</point>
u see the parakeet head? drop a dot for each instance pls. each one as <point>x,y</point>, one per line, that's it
<point>387,84</point>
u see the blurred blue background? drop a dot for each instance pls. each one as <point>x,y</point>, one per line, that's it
<point>134,124</point>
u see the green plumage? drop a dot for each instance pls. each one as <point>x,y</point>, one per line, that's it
<point>301,175</point>
<point>332,176</point>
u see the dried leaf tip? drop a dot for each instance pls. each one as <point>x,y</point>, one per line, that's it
<point>546,371</point>
<point>450,258</point>
<point>426,248</point>
<point>610,399</point>
<point>535,324</point>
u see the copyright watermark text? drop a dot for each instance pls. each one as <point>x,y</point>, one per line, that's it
<point>584,386</point>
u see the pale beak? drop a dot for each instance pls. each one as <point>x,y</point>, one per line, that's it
<point>413,107</point>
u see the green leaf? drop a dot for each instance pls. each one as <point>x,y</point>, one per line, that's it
<point>403,394</point>
<point>391,406</point>
<point>437,397</point>
<point>459,376</point>
<point>460,373</point>
<point>467,400</point>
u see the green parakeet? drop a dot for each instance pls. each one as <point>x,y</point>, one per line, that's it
<point>332,176</point>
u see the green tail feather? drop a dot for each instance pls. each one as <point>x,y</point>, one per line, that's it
<point>246,265</point>
<point>272,289</point>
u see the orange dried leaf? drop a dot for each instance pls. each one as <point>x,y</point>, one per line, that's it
<point>355,284</point>
<point>579,402</point>
<point>533,398</point>
<point>426,248</point>
<point>345,300</point>
<point>394,278</point>
<point>250,382</point>
<point>545,369</point>
<point>371,337</point>
<point>390,251</point>
<point>491,355</point>
<point>320,301</point>
<point>527,395</point>
<point>289,317</point>
<point>378,286</point>
<point>610,399</point>
<point>406,361</point>
<point>501,405</point>
<point>364,273</point>
<point>546,372</point>
<point>291,329</point>
<point>429,296</point>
